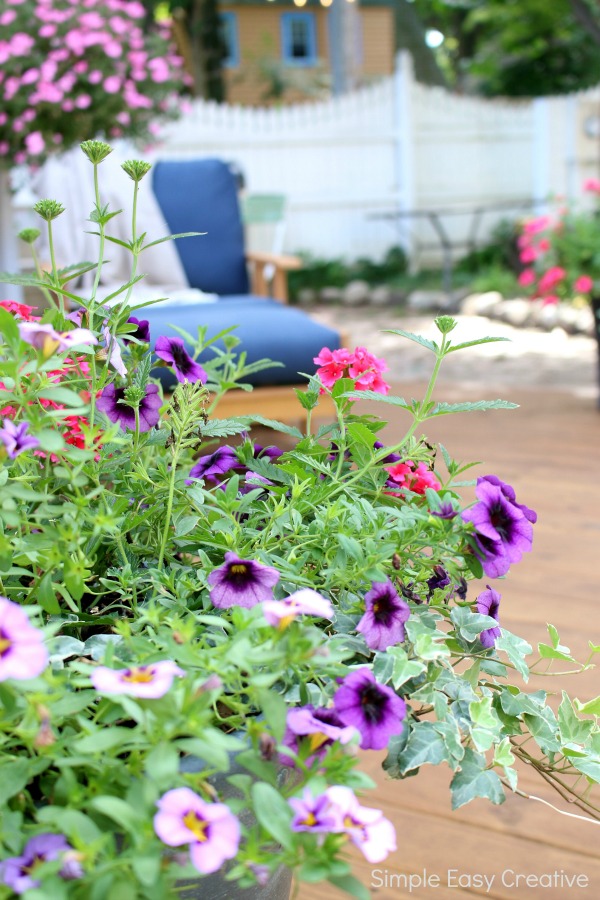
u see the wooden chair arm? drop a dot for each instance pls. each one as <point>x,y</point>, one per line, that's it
<point>280,264</point>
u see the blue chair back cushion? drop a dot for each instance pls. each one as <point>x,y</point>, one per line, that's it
<point>266,328</point>
<point>201,195</point>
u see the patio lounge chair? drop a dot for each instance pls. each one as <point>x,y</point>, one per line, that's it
<point>201,195</point>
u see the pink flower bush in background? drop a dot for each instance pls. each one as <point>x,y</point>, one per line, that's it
<point>71,70</point>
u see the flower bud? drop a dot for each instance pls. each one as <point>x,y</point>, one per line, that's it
<point>96,151</point>
<point>49,209</point>
<point>136,169</point>
<point>29,235</point>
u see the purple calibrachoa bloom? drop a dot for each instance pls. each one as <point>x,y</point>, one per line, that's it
<point>113,404</point>
<point>367,828</point>
<point>241,582</point>
<point>18,872</point>
<point>488,604</point>
<point>314,814</point>
<point>503,527</point>
<point>315,728</point>
<point>15,438</point>
<point>337,811</point>
<point>374,709</point>
<point>446,511</point>
<point>23,653</point>
<point>148,682</point>
<point>439,579</point>
<point>390,458</point>
<point>172,350</point>
<point>210,829</point>
<point>142,332</point>
<point>211,466</point>
<point>304,602</point>
<point>45,338</point>
<point>383,622</point>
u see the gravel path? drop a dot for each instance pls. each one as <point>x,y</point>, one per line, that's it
<point>529,359</point>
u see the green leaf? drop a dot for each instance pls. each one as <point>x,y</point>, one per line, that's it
<point>100,741</point>
<point>517,650</point>
<point>416,338</point>
<point>589,765</point>
<point>70,821</point>
<point>162,764</point>
<point>474,780</point>
<point>590,708</point>
<point>61,395</point>
<point>486,724</point>
<point>274,708</point>
<point>444,409</point>
<point>119,811</point>
<point>351,886</point>
<point>273,813</point>
<point>9,327</point>
<point>63,646</point>
<point>45,596</point>
<point>404,668</point>
<point>484,340</point>
<point>424,745</point>
<point>147,869</point>
<point>50,441</point>
<point>174,237</point>
<point>572,729</point>
<point>380,398</point>
<point>15,774</point>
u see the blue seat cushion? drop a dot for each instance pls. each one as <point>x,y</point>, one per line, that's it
<point>266,329</point>
<point>201,195</point>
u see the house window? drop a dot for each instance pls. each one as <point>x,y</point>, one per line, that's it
<point>299,39</point>
<point>229,30</point>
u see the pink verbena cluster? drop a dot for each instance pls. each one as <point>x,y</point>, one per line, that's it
<point>559,254</point>
<point>362,367</point>
<point>74,68</point>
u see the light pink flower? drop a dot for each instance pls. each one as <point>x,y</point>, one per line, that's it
<point>592,185</point>
<point>367,828</point>
<point>527,277</point>
<point>44,337</point>
<point>303,602</point>
<point>147,682</point>
<point>584,284</point>
<point>23,653</point>
<point>210,829</point>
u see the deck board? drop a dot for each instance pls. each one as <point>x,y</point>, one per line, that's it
<point>548,450</point>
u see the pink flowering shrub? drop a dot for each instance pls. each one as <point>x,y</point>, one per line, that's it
<point>560,254</point>
<point>69,70</point>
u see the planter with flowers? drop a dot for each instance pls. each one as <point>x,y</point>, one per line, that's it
<point>71,70</point>
<point>185,614</point>
<point>560,255</point>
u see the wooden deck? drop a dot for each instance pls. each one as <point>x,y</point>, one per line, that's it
<point>548,450</point>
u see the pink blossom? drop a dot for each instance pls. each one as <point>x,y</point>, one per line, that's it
<point>527,277</point>
<point>83,101</point>
<point>303,602</point>
<point>35,143</point>
<point>112,84</point>
<point>333,365</point>
<point>584,284</point>
<point>415,478</point>
<point>95,76</point>
<point>7,17</point>
<point>147,682</point>
<point>47,31</point>
<point>528,255</point>
<point>551,278</point>
<point>592,185</point>
<point>210,829</point>
<point>534,226</point>
<point>22,650</point>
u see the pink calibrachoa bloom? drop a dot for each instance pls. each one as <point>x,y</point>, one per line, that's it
<point>210,829</point>
<point>45,338</point>
<point>337,811</point>
<point>584,284</point>
<point>550,279</point>
<point>304,602</point>
<point>23,653</point>
<point>527,277</point>
<point>147,682</point>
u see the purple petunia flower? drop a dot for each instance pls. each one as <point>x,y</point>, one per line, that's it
<point>304,602</point>
<point>15,438</point>
<point>18,872</point>
<point>210,829</point>
<point>172,350</point>
<point>488,604</point>
<point>503,527</point>
<point>439,579</point>
<point>148,682</point>
<point>214,464</point>
<point>142,332</point>
<point>270,453</point>
<point>112,402</point>
<point>374,709</point>
<point>316,729</point>
<point>23,653</point>
<point>383,622</point>
<point>241,582</point>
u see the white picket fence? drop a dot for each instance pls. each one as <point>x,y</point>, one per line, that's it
<point>398,147</point>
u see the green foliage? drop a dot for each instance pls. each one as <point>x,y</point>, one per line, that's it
<point>317,273</point>
<point>112,539</point>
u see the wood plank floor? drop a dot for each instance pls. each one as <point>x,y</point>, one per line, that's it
<point>549,450</point>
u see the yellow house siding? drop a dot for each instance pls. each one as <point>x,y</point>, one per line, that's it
<point>259,36</point>
<point>377,40</point>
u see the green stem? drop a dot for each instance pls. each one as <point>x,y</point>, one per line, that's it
<point>167,528</point>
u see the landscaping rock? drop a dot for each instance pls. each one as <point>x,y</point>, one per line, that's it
<point>568,318</point>
<point>307,296</point>
<point>430,301</point>
<point>545,316</point>
<point>481,304</point>
<point>382,295</point>
<point>355,293</point>
<point>515,312</point>
<point>331,295</point>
